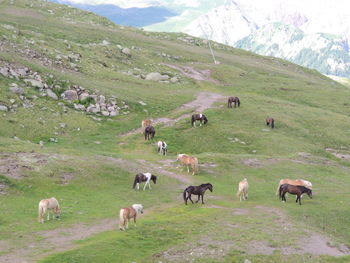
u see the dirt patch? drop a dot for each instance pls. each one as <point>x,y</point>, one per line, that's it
<point>203,101</point>
<point>252,162</point>
<point>240,211</point>
<point>193,73</point>
<point>20,12</point>
<point>339,154</point>
<point>15,165</point>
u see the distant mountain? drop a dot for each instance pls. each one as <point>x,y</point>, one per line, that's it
<point>315,35</point>
<point>137,17</point>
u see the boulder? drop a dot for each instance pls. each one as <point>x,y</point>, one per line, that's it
<point>79,107</point>
<point>34,83</point>
<point>3,108</point>
<point>15,89</point>
<point>101,99</point>
<point>70,95</point>
<point>113,113</point>
<point>83,96</point>
<point>126,51</point>
<point>51,94</point>
<point>105,113</point>
<point>4,72</point>
<point>155,76</point>
<point>174,80</point>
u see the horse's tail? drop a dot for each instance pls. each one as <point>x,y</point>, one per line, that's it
<point>272,123</point>
<point>192,120</point>
<point>135,182</point>
<point>239,191</point>
<point>238,102</point>
<point>184,194</point>
<point>195,165</point>
<point>40,212</point>
<point>280,191</point>
<point>278,187</point>
<point>121,219</point>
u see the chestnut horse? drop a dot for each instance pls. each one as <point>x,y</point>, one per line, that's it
<point>145,123</point>
<point>234,100</point>
<point>46,205</point>
<point>198,117</point>
<point>243,189</point>
<point>270,121</point>
<point>301,182</point>
<point>196,190</point>
<point>149,132</point>
<point>187,161</point>
<point>127,213</point>
<point>297,190</point>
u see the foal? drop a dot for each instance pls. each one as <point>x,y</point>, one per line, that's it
<point>243,189</point>
<point>46,205</point>
<point>198,117</point>
<point>196,190</point>
<point>297,190</point>
<point>125,214</point>
<point>234,100</point>
<point>270,121</point>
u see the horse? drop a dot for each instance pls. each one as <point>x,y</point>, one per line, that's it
<point>162,147</point>
<point>198,117</point>
<point>294,190</point>
<point>196,190</point>
<point>125,214</point>
<point>46,205</point>
<point>145,123</point>
<point>149,132</point>
<point>144,177</point>
<point>301,182</point>
<point>234,100</point>
<point>243,189</point>
<point>187,161</point>
<point>271,121</point>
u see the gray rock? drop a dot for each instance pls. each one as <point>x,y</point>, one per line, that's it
<point>113,113</point>
<point>105,113</point>
<point>4,72</point>
<point>70,95</point>
<point>83,96</point>
<point>79,107</point>
<point>34,83</point>
<point>3,108</point>
<point>12,101</point>
<point>15,89</point>
<point>165,77</point>
<point>142,103</point>
<point>126,51</point>
<point>105,43</point>
<point>51,94</point>
<point>174,80</point>
<point>155,76</point>
<point>247,261</point>
<point>101,99</point>
<point>110,109</point>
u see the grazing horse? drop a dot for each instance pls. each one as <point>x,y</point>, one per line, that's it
<point>127,213</point>
<point>243,189</point>
<point>149,132</point>
<point>198,117</point>
<point>162,147</point>
<point>271,121</point>
<point>144,177</point>
<point>187,161</point>
<point>301,182</point>
<point>46,205</point>
<point>145,123</point>
<point>234,100</point>
<point>196,190</point>
<point>294,190</point>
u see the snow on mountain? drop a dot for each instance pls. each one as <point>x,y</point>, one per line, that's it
<point>312,33</point>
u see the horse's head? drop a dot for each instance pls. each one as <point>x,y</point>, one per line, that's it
<point>309,193</point>
<point>57,212</point>
<point>154,178</point>
<point>205,119</point>
<point>138,208</point>
<point>210,187</point>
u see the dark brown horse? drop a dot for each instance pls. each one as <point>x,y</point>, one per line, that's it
<point>149,132</point>
<point>196,190</point>
<point>234,100</point>
<point>270,121</point>
<point>297,190</point>
<point>198,117</point>
<point>144,177</point>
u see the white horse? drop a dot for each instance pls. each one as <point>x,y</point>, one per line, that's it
<point>162,147</point>
<point>126,214</point>
<point>46,205</point>
<point>243,189</point>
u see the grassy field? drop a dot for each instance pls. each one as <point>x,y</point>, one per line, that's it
<point>91,168</point>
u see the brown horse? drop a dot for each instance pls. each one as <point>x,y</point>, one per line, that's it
<point>145,123</point>
<point>125,214</point>
<point>46,205</point>
<point>270,121</point>
<point>301,182</point>
<point>198,117</point>
<point>196,190</point>
<point>187,161</point>
<point>149,132</point>
<point>234,100</point>
<point>297,190</point>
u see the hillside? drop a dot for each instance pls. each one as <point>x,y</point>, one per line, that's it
<point>74,88</point>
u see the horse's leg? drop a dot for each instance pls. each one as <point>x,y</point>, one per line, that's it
<point>189,196</point>
<point>188,169</point>
<point>144,187</point>
<point>202,199</point>
<point>135,220</point>
<point>199,196</point>
<point>48,214</point>
<point>138,186</point>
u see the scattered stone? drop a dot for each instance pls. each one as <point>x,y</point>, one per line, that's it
<point>174,80</point>
<point>53,140</point>
<point>70,95</point>
<point>51,94</point>
<point>3,108</point>
<point>126,51</point>
<point>34,83</point>
<point>247,261</point>
<point>62,125</point>
<point>97,142</point>
<point>105,113</point>
<point>105,43</point>
<point>41,143</point>
<point>142,103</point>
<point>155,76</point>
<point>79,106</point>
<point>12,101</point>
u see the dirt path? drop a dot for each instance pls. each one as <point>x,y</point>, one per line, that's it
<point>203,101</point>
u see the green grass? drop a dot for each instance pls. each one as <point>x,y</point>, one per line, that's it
<point>311,113</point>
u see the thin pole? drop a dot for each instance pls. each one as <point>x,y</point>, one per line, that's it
<point>211,50</point>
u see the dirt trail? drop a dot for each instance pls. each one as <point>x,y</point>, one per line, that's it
<point>203,101</point>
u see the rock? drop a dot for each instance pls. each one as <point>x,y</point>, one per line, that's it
<point>165,77</point>
<point>62,125</point>
<point>15,89</point>
<point>142,103</point>
<point>4,72</point>
<point>83,96</point>
<point>101,99</point>
<point>105,43</point>
<point>70,95</point>
<point>34,83</point>
<point>155,76</point>
<point>51,94</point>
<point>119,47</point>
<point>79,106</point>
<point>53,140</point>
<point>113,113</point>
<point>41,143</point>
<point>110,109</point>
<point>174,80</point>
<point>247,261</point>
<point>12,101</point>
<point>97,142</point>
<point>126,51</point>
<point>105,113</point>
<point>3,108</point>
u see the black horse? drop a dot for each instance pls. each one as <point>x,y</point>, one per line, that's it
<point>196,190</point>
<point>294,190</point>
<point>149,132</point>
<point>198,117</point>
<point>234,100</point>
<point>271,121</point>
<point>144,177</point>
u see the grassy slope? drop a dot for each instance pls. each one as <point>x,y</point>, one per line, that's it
<point>311,114</point>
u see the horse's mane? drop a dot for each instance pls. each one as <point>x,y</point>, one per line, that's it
<point>206,184</point>
<point>303,187</point>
